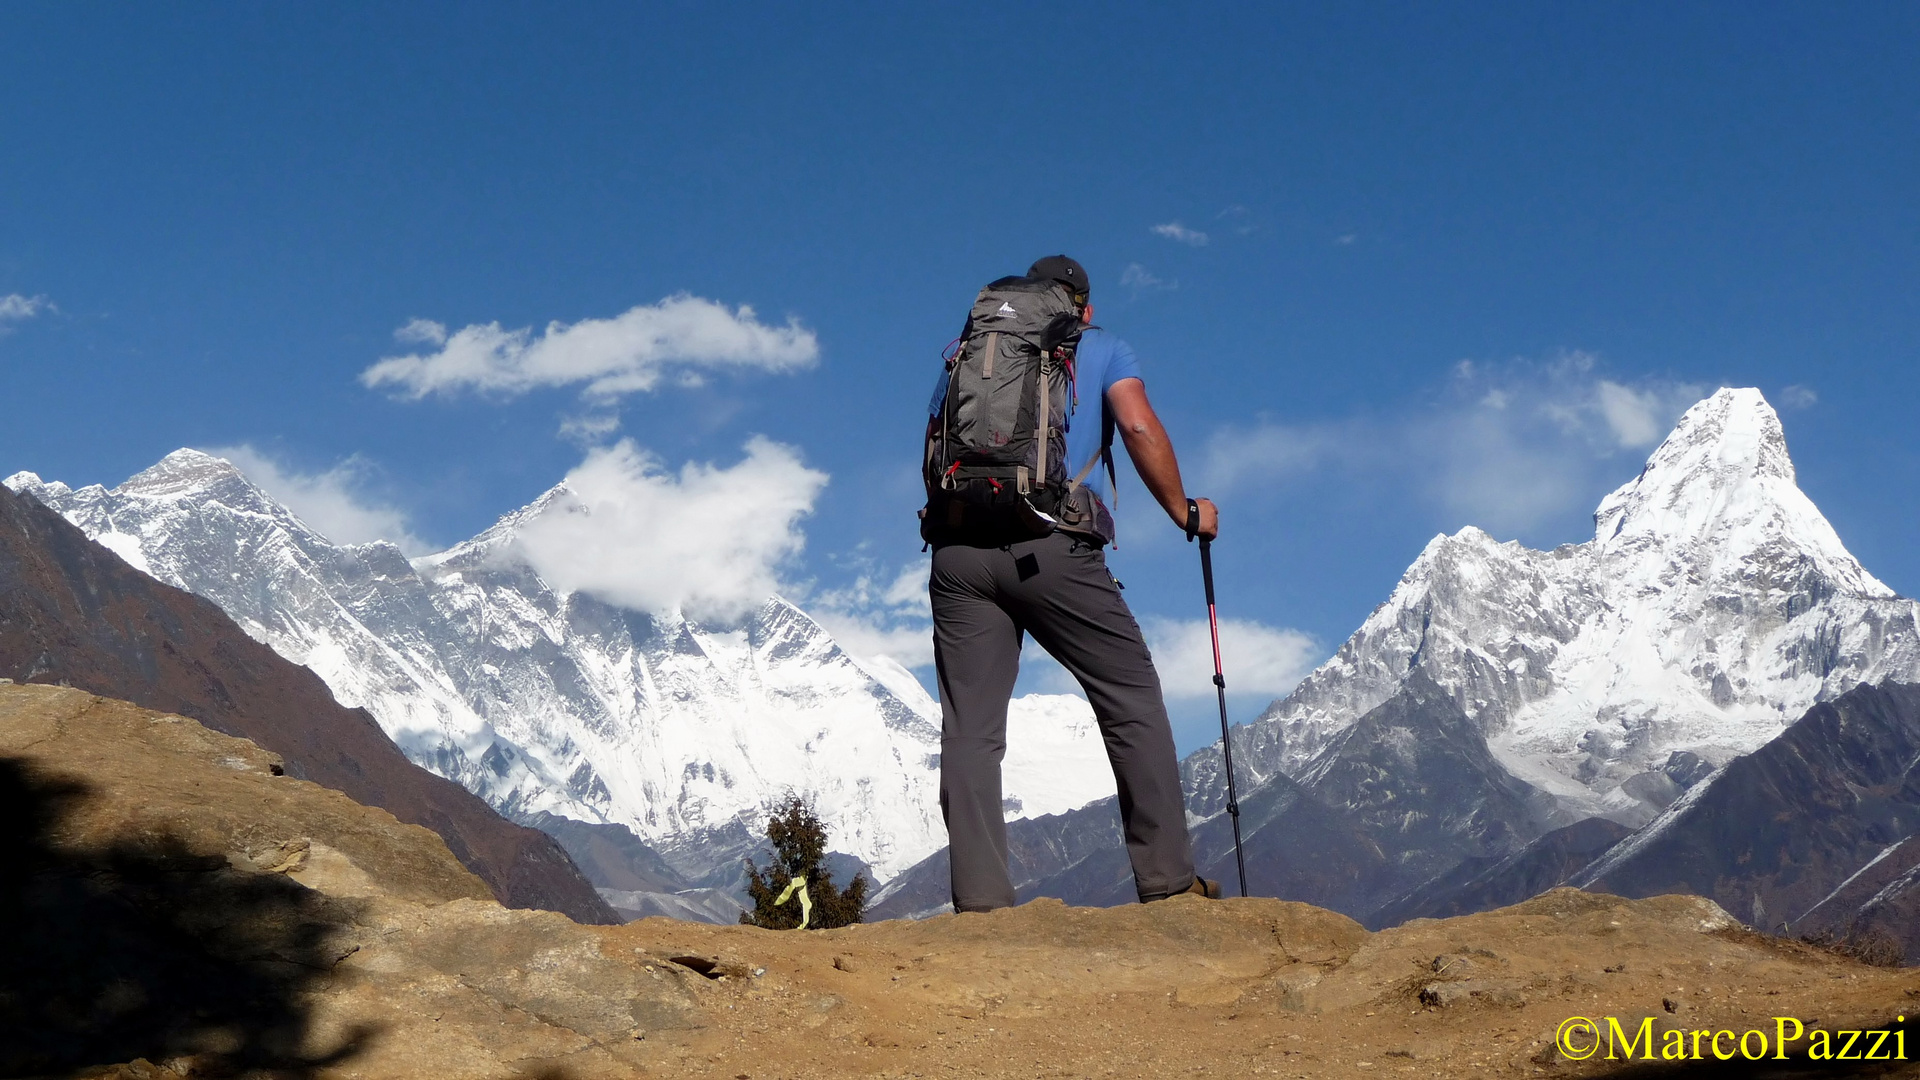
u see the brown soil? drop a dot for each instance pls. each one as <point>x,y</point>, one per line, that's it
<point>386,959</point>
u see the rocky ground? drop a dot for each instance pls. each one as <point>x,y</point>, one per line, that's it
<point>179,908</point>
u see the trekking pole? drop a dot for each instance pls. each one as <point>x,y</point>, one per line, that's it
<point>1219,684</point>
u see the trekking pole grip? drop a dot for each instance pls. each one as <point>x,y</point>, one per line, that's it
<point>1193,519</point>
<point>1206,571</point>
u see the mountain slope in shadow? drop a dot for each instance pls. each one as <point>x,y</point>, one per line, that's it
<point>74,613</point>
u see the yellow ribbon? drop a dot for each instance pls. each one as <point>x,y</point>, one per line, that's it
<point>806,902</point>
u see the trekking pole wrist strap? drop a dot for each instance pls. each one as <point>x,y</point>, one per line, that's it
<point>1193,519</point>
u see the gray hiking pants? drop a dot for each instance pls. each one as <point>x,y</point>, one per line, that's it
<point>1057,589</point>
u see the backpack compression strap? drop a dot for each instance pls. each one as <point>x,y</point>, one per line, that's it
<point>1044,410</point>
<point>1105,453</point>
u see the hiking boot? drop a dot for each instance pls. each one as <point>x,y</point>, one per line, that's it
<point>1206,887</point>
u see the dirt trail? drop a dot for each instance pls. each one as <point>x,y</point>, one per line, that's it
<point>165,865</point>
<point>1259,988</point>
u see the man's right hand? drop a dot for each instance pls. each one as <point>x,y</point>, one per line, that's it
<point>1209,519</point>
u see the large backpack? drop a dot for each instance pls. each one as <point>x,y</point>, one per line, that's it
<point>995,464</point>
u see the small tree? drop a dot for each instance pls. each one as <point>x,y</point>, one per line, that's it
<point>799,846</point>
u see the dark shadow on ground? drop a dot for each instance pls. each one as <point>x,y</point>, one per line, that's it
<point>1798,1065</point>
<point>144,949</point>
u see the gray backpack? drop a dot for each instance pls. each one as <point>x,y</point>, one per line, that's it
<point>995,463</point>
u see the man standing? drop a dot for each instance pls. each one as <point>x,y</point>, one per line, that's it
<point>986,594</point>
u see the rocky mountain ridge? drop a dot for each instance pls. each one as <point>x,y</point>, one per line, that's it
<point>1712,608</point>
<point>1815,831</point>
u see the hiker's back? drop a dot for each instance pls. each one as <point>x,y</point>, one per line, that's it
<point>998,466</point>
<point>995,464</point>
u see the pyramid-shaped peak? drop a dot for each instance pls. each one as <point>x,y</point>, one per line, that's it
<point>183,470</point>
<point>1720,495</point>
<point>1732,430</point>
<point>1729,442</point>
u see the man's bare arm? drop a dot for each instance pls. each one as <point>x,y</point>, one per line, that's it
<point>1152,454</point>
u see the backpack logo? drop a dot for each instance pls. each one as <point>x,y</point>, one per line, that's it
<point>1006,309</point>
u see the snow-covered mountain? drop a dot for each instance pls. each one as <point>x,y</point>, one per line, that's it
<point>1713,607</point>
<point>545,702</point>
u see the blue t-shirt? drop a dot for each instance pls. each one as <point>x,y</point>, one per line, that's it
<point>1101,360</point>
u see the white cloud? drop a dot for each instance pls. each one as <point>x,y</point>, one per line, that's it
<point>709,540</point>
<point>1346,239</point>
<point>329,502</point>
<point>1505,447</point>
<point>1256,658</point>
<point>16,308</point>
<point>1798,397</point>
<point>1175,231</point>
<point>680,336</point>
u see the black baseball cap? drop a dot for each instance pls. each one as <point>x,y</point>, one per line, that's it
<point>1065,270</point>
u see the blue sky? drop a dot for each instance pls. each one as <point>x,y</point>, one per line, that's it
<point>1334,234</point>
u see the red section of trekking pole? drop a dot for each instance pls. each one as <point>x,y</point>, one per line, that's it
<point>1220,685</point>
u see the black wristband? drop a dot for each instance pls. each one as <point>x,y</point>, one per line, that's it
<point>1193,519</point>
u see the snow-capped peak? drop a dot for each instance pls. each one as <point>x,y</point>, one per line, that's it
<point>184,470</point>
<point>1719,496</point>
<point>1714,605</point>
<point>495,543</point>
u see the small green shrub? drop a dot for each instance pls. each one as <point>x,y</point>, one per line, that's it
<point>799,845</point>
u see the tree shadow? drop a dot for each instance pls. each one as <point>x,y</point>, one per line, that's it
<point>143,948</point>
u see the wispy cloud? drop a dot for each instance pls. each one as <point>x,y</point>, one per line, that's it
<point>880,613</point>
<point>589,428</point>
<point>1140,279</point>
<point>679,337</point>
<point>1798,397</point>
<point>1635,418</point>
<point>1239,218</point>
<point>333,503</point>
<point>1346,239</point>
<point>1503,446</point>
<point>709,540</point>
<point>17,308</point>
<point>1179,233</point>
